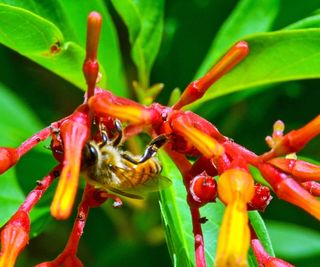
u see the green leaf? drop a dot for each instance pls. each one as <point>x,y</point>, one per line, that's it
<point>176,216</point>
<point>261,231</point>
<point>249,16</point>
<point>293,241</point>
<point>46,25</point>
<point>109,53</point>
<point>214,214</point>
<point>39,216</point>
<point>310,22</point>
<point>144,20</point>
<point>41,41</point>
<point>274,57</point>
<point>24,124</point>
<point>49,10</point>
<point>11,195</point>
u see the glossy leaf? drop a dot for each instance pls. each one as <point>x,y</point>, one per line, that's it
<point>11,195</point>
<point>24,124</point>
<point>274,57</point>
<point>309,22</point>
<point>249,16</point>
<point>261,231</point>
<point>41,41</point>
<point>109,54</point>
<point>144,20</point>
<point>293,241</point>
<point>39,217</point>
<point>64,26</point>
<point>176,217</point>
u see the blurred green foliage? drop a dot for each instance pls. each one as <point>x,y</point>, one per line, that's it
<point>194,34</point>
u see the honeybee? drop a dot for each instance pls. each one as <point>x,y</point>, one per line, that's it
<point>106,166</point>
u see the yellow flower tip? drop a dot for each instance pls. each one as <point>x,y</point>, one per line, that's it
<point>206,144</point>
<point>126,111</point>
<point>64,197</point>
<point>234,236</point>
<point>236,189</point>
<point>233,183</point>
<point>14,237</point>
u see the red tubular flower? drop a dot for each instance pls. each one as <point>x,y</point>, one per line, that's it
<point>105,104</point>
<point>91,66</point>
<point>301,170</point>
<point>196,89</point>
<point>74,132</point>
<point>265,260</point>
<point>196,134</point>
<point>14,237</point>
<point>289,190</point>
<point>8,158</point>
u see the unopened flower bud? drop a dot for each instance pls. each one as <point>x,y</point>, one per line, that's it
<point>261,198</point>
<point>203,189</point>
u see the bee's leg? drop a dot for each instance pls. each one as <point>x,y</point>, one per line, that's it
<point>104,138</point>
<point>150,151</point>
<point>118,138</point>
<point>104,135</point>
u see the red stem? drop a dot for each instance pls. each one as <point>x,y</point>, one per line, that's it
<point>38,137</point>
<point>33,141</point>
<point>36,194</point>
<point>198,237</point>
<point>77,231</point>
<point>184,167</point>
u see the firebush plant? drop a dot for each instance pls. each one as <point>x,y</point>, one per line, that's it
<point>210,213</point>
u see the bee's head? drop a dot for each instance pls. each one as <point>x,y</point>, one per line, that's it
<point>89,156</point>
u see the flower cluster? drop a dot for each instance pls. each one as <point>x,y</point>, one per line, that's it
<point>187,134</point>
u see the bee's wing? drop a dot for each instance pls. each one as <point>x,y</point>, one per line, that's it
<point>124,193</point>
<point>153,184</point>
